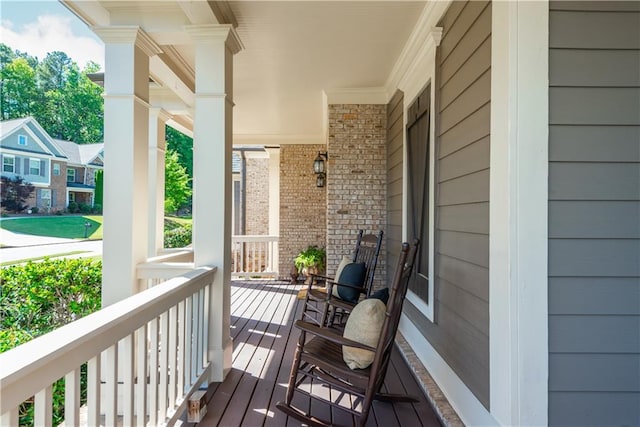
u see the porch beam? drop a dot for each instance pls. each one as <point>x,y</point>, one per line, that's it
<point>214,47</point>
<point>126,136</point>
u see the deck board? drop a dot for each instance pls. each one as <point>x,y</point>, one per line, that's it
<point>264,340</point>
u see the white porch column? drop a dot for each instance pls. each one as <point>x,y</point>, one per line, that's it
<point>274,201</point>
<point>157,149</point>
<point>126,137</point>
<point>215,46</point>
<point>518,261</point>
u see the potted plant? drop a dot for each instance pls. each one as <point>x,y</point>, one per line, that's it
<point>310,261</point>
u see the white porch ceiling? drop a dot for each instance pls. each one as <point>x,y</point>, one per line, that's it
<point>295,51</point>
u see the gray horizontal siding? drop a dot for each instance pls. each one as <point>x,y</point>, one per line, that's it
<point>460,333</point>
<point>594,409</point>
<point>606,296</point>
<point>594,213</point>
<point>395,183</point>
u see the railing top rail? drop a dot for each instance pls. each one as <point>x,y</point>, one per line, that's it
<point>32,366</point>
<point>254,238</point>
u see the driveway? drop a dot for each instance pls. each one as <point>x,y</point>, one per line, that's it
<point>23,246</point>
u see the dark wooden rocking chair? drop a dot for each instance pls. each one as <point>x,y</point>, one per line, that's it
<point>319,358</point>
<point>320,305</point>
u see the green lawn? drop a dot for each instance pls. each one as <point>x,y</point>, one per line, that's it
<point>70,227</point>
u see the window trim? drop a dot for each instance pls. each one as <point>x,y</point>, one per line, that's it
<point>56,169</point>
<point>23,140</point>
<point>34,160</point>
<point>13,164</point>
<point>73,171</point>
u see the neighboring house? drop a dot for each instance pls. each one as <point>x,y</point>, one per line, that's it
<point>61,171</point>
<point>84,160</point>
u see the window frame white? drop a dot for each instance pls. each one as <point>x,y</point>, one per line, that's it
<point>57,169</point>
<point>71,171</point>
<point>46,191</point>
<point>6,157</point>
<point>33,161</point>
<point>23,140</point>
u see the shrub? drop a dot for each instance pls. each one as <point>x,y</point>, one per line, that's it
<point>178,237</point>
<point>14,192</point>
<point>34,210</point>
<point>84,208</point>
<point>36,298</point>
<point>97,209</point>
<point>73,207</point>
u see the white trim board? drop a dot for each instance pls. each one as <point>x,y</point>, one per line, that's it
<point>518,258</point>
<point>466,405</point>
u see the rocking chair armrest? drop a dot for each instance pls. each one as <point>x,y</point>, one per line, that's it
<point>346,285</point>
<point>330,335</point>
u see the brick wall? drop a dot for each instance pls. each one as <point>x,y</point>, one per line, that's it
<point>257,196</point>
<point>59,187</point>
<point>303,212</point>
<point>356,180</point>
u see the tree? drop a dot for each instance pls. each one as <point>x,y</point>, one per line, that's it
<point>19,91</point>
<point>176,183</point>
<point>99,195</point>
<point>183,145</point>
<point>14,192</point>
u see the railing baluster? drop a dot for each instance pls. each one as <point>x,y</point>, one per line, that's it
<point>43,408</point>
<point>72,398</point>
<point>196,334</point>
<point>111,386</point>
<point>173,340</point>
<point>181,353</point>
<point>206,317</point>
<point>164,362</point>
<point>10,418</point>
<point>126,355</point>
<point>153,372</point>
<point>201,348</point>
<point>141,375</point>
<point>93,391</point>
<point>188,334</point>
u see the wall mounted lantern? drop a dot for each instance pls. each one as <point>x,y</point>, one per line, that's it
<point>319,168</point>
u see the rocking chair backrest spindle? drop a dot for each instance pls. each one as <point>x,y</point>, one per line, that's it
<point>367,251</point>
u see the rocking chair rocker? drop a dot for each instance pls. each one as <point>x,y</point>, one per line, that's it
<point>319,358</point>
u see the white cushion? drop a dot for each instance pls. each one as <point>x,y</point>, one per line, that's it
<point>345,260</point>
<point>363,325</point>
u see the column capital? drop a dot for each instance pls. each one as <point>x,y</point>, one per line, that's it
<point>128,34</point>
<point>212,33</point>
<point>436,35</point>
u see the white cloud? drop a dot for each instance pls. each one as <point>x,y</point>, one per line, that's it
<point>50,33</point>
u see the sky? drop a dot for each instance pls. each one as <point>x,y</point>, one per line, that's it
<point>38,27</point>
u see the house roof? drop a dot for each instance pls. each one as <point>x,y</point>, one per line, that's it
<point>80,154</point>
<point>47,144</point>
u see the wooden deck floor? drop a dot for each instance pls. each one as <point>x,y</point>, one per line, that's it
<point>262,315</point>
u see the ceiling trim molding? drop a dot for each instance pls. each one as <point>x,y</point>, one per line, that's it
<point>365,95</point>
<point>424,34</point>
<point>223,13</point>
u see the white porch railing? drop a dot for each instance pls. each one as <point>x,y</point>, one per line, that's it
<point>254,256</point>
<point>161,332</point>
<point>172,263</point>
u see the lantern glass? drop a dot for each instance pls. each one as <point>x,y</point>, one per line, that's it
<point>320,180</point>
<point>318,164</point>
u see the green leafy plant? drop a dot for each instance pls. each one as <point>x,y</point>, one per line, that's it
<point>179,237</point>
<point>313,256</point>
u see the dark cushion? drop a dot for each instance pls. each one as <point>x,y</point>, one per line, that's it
<point>382,295</point>
<point>352,274</point>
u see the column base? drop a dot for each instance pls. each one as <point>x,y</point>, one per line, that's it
<point>221,360</point>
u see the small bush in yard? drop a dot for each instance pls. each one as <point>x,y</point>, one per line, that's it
<point>36,298</point>
<point>178,237</point>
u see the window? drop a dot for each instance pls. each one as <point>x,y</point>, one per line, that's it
<point>34,167</point>
<point>419,190</point>
<point>56,169</point>
<point>22,139</point>
<point>8,164</point>
<point>45,194</point>
<point>72,197</point>
<point>71,175</point>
